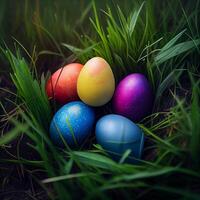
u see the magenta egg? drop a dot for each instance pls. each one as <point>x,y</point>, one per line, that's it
<point>133,97</point>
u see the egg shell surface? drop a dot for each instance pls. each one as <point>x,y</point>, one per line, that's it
<point>62,85</point>
<point>133,97</point>
<point>74,121</point>
<point>96,83</point>
<point>116,134</point>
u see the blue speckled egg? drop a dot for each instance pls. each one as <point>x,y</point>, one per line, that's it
<point>116,134</point>
<point>73,122</point>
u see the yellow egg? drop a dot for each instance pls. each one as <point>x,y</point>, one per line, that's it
<point>96,82</point>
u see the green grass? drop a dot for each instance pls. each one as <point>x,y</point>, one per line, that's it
<point>133,41</point>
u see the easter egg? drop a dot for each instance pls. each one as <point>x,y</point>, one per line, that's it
<point>133,97</point>
<point>96,83</point>
<point>61,86</point>
<point>116,134</point>
<point>73,122</point>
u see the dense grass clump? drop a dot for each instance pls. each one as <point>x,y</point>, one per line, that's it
<point>161,43</point>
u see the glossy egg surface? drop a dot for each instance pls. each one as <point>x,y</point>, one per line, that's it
<point>133,97</point>
<point>73,122</point>
<point>96,83</point>
<point>116,134</point>
<point>62,85</point>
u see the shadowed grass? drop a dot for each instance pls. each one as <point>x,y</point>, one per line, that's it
<point>132,44</point>
<point>129,42</point>
<point>96,172</point>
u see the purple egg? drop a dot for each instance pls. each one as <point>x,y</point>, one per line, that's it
<point>133,97</point>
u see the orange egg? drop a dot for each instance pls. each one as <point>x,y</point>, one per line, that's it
<point>62,85</point>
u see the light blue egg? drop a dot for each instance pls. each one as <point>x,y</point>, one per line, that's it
<point>116,134</point>
<point>73,122</point>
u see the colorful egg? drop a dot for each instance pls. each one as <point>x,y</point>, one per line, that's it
<point>73,123</point>
<point>96,83</point>
<point>62,85</point>
<point>133,97</point>
<point>116,134</point>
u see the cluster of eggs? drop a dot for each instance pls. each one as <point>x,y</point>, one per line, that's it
<point>81,88</point>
